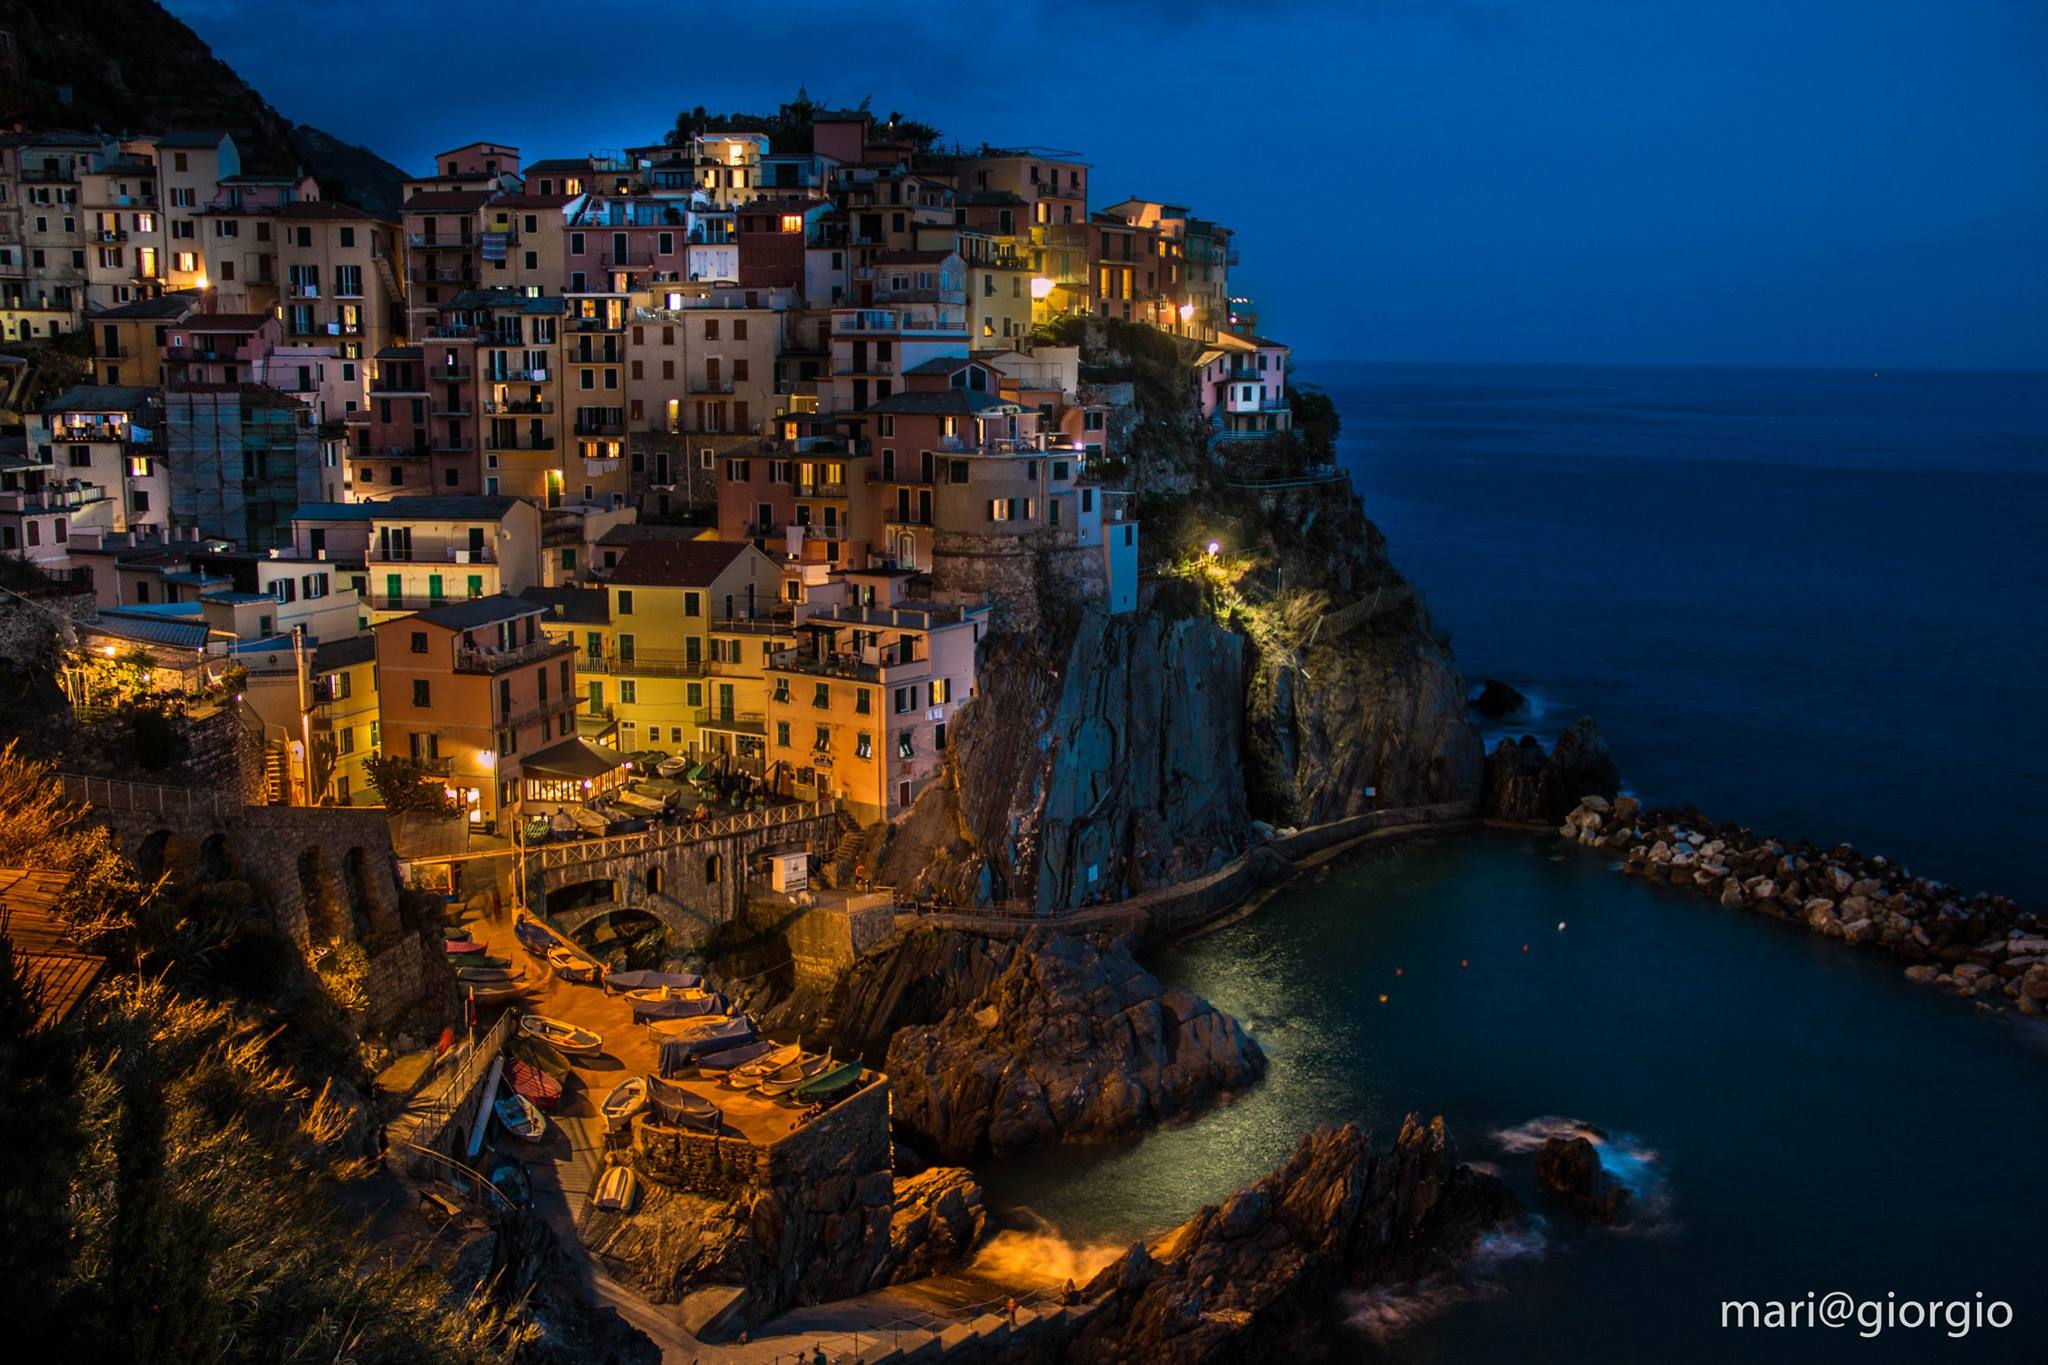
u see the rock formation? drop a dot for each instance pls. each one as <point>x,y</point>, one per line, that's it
<point>1981,946</point>
<point>1256,1278</point>
<point>1570,1168</point>
<point>1498,701</point>
<point>1067,1043</point>
<point>1525,784</point>
<point>521,1264</point>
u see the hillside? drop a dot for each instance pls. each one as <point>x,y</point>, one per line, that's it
<point>131,66</point>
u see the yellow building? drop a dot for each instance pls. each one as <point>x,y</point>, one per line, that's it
<point>677,657</point>
<point>343,697</point>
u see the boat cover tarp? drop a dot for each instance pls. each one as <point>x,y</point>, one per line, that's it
<point>647,981</point>
<point>532,935</point>
<point>644,1010</point>
<point>679,1054</point>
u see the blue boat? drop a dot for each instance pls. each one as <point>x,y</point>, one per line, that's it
<point>645,980</point>
<point>644,1010</point>
<point>532,934</point>
<point>718,1063</point>
<point>680,1054</point>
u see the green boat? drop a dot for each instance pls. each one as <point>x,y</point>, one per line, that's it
<point>528,1048</point>
<point>829,1086</point>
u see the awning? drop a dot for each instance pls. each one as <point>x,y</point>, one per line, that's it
<point>575,757</point>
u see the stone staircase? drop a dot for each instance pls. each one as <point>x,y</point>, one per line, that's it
<point>1041,1330</point>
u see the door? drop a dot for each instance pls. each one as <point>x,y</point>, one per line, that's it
<point>725,701</point>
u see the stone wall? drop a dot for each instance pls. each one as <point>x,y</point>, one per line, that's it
<point>1012,568</point>
<point>825,940</point>
<point>853,1134</point>
<point>396,980</point>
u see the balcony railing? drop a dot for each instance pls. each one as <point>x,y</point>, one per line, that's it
<point>304,291</point>
<point>471,659</point>
<point>818,488</point>
<point>496,441</point>
<point>533,715</point>
<point>518,406</point>
<point>765,623</point>
<point>428,554</point>
<point>743,722</point>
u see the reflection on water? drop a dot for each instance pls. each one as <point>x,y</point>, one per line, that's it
<point>1749,1076</point>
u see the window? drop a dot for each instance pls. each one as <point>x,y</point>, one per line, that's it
<point>862,705</point>
<point>906,744</point>
<point>422,693</point>
<point>906,699</point>
<point>419,637</point>
<point>864,745</point>
<point>692,604</point>
<point>629,691</point>
<point>942,691</point>
<point>625,604</point>
<point>821,696</point>
<point>782,733</point>
<point>822,738</point>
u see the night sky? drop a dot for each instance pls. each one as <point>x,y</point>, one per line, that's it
<point>1764,182</point>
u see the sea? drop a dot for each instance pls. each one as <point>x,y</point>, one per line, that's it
<point>1809,600</point>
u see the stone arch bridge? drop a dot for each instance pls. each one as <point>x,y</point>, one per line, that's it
<point>692,878</point>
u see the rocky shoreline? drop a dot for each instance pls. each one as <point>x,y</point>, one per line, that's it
<point>1983,947</point>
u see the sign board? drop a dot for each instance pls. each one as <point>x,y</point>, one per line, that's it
<point>789,871</point>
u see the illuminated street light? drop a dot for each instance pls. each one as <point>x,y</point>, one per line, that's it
<point>1041,287</point>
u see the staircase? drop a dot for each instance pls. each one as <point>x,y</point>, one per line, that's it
<point>276,777</point>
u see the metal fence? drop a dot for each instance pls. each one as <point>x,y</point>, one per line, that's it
<point>111,794</point>
<point>573,852</point>
<point>459,1075</point>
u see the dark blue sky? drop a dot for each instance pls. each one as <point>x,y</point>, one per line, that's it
<point>1804,182</point>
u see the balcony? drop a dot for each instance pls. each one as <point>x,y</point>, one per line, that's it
<point>110,235</point>
<point>422,241</point>
<point>818,488</point>
<point>763,623</point>
<point>460,275</point>
<point>302,291</point>
<point>428,554</point>
<point>733,722</point>
<point>416,452</point>
<point>611,425</point>
<point>515,442</point>
<point>498,376</point>
<point>517,406</point>
<point>451,407</point>
<point>435,765</point>
<point>469,659</point>
<point>533,715</point>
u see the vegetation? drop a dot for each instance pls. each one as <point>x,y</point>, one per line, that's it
<point>403,785</point>
<point>174,1152</point>
<point>1316,421</point>
<point>789,127</point>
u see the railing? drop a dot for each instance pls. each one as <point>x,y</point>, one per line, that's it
<point>576,852</point>
<point>533,715</point>
<point>721,719</point>
<point>446,554</point>
<point>459,1081</point>
<point>517,406</point>
<point>111,794</point>
<point>469,659</point>
<point>767,623</point>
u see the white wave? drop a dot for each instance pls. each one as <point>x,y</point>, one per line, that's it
<point>1628,1159</point>
<point>1384,1313</point>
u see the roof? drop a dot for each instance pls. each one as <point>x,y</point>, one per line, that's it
<point>573,757</point>
<point>431,201</point>
<point>676,563</point>
<point>913,258</point>
<point>944,364</point>
<point>101,398</point>
<point>575,606</point>
<point>180,634</point>
<point>532,199</point>
<point>555,165</point>
<point>170,306</point>
<point>435,507</point>
<point>226,322</point>
<point>192,137</point>
<point>327,209</point>
<point>477,611</point>
<point>44,950</point>
<point>949,402</point>
<point>336,654</point>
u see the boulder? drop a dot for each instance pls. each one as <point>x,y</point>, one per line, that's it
<point>1525,784</point>
<point>1256,1278</point>
<point>1498,701</point>
<point>1570,1168</point>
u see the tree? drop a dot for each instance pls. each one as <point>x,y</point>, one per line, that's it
<point>404,786</point>
<point>1316,420</point>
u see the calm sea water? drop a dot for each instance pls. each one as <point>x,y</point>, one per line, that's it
<point>1810,601</point>
<point>1813,601</point>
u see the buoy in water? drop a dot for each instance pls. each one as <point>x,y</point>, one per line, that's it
<point>1525,947</point>
<point>1464,962</point>
<point>1383,1000</point>
<point>1400,971</point>
<point>1560,926</point>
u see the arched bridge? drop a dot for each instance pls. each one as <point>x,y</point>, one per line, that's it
<point>691,877</point>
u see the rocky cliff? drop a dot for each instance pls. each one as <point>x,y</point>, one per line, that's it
<point>1257,1278</point>
<point>1291,676</point>
<point>1064,1044</point>
<point>1104,763</point>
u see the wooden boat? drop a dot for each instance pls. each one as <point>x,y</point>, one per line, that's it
<point>588,821</point>
<point>483,974</point>
<point>829,1085</point>
<point>671,767</point>
<point>510,1185</point>
<point>484,992</point>
<point>688,1027</point>
<point>626,1099</point>
<point>462,947</point>
<point>571,965</point>
<point>572,1039</point>
<point>716,1066</point>
<point>454,933</point>
<point>654,993</point>
<point>787,1078</point>
<point>676,1054</point>
<point>528,1048</point>
<point>618,1190</point>
<point>470,962</point>
<point>646,1011</point>
<point>638,801</point>
<point>751,1075</point>
<point>529,1080</point>
<point>520,1118</point>
<point>677,1105</point>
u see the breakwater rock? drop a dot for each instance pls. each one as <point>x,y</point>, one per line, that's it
<point>1570,1168</point>
<point>1981,946</point>
<point>1002,1045</point>
<point>1256,1277</point>
<point>1526,785</point>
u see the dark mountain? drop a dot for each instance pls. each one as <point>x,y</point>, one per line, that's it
<point>131,66</point>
